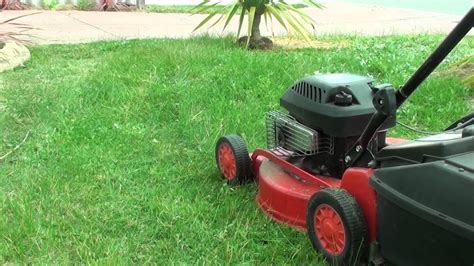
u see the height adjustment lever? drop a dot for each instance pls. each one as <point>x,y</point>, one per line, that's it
<point>385,100</point>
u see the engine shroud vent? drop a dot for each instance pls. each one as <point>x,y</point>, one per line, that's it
<point>288,137</point>
<point>309,91</point>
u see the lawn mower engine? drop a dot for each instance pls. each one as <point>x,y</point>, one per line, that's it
<point>330,170</point>
<point>327,114</point>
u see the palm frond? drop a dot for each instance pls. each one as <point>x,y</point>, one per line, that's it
<point>204,21</point>
<point>231,14</point>
<point>303,15</point>
<point>275,13</point>
<point>217,21</point>
<point>203,3</point>
<point>313,3</point>
<point>241,21</point>
<point>203,8</point>
<point>251,17</point>
<point>17,36</point>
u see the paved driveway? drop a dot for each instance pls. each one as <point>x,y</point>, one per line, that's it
<point>337,18</point>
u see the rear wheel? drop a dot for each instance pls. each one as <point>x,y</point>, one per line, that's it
<point>336,227</point>
<point>233,159</point>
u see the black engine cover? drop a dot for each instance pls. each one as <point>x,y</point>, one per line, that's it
<point>339,105</point>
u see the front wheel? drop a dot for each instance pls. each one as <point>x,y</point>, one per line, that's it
<point>336,226</point>
<point>233,159</point>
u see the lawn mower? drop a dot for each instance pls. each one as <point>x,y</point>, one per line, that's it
<point>362,197</point>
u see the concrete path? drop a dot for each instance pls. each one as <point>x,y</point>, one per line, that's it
<point>337,18</point>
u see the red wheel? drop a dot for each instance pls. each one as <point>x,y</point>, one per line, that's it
<point>226,161</point>
<point>233,159</point>
<point>336,226</point>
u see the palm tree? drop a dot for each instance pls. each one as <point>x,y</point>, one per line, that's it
<point>290,17</point>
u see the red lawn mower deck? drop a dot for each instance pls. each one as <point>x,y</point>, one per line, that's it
<point>330,170</point>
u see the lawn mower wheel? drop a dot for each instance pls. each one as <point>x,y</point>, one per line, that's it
<point>233,159</point>
<point>336,226</point>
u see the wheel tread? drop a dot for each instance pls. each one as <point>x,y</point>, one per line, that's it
<point>354,221</point>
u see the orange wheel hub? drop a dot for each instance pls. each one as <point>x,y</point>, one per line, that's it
<point>227,162</point>
<point>330,229</point>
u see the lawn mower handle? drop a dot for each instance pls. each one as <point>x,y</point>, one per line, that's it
<point>430,64</point>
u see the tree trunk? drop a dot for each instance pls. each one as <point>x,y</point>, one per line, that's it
<point>256,40</point>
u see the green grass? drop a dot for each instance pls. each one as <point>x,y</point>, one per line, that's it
<point>119,165</point>
<point>176,8</point>
<point>187,9</point>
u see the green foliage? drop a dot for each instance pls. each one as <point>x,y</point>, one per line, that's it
<point>84,5</point>
<point>290,17</point>
<point>51,4</point>
<point>119,164</point>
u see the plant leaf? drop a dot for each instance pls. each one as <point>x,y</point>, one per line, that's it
<point>241,21</point>
<point>231,14</point>
<point>265,16</point>
<point>251,17</point>
<point>295,25</point>
<point>204,8</point>
<point>204,21</point>
<point>271,25</point>
<point>276,14</point>
<point>313,3</point>
<point>293,21</point>
<point>217,21</point>
<point>204,2</point>
<point>303,15</point>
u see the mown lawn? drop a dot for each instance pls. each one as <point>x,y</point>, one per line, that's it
<point>119,163</point>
